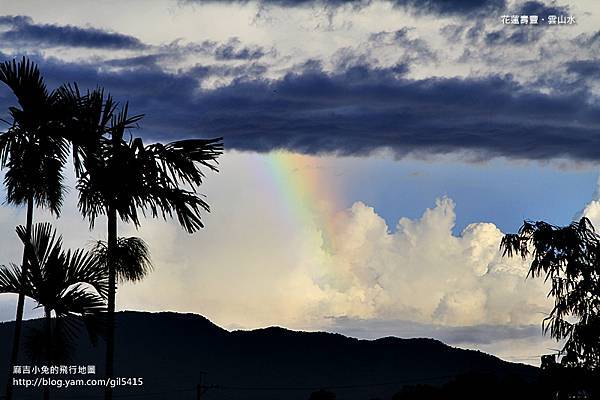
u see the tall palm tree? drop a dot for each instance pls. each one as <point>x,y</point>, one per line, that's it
<point>121,177</point>
<point>33,151</point>
<point>72,284</point>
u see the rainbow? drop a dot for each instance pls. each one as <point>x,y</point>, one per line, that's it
<point>306,192</point>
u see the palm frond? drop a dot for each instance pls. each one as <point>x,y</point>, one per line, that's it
<point>54,273</point>
<point>34,149</point>
<point>131,258</point>
<point>10,279</point>
<point>122,122</point>
<point>180,160</point>
<point>85,267</point>
<point>26,82</point>
<point>186,205</point>
<point>43,245</point>
<point>90,114</point>
<point>161,180</point>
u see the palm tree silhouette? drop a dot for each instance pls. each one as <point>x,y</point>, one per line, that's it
<point>131,258</point>
<point>34,151</point>
<point>72,284</point>
<point>121,178</point>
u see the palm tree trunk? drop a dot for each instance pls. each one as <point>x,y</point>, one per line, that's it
<point>48,346</point>
<point>112,288</point>
<point>14,357</point>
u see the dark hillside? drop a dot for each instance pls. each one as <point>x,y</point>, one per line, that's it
<point>169,351</point>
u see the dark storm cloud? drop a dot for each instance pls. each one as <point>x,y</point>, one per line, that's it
<point>585,68</point>
<point>362,109</point>
<point>541,9</point>
<point>231,50</point>
<point>438,7</point>
<point>518,37</point>
<point>14,20</point>
<point>22,30</point>
<point>145,61</point>
<point>355,111</point>
<point>453,7</point>
<point>476,334</point>
<point>253,71</point>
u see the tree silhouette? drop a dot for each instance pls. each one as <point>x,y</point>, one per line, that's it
<point>121,177</point>
<point>569,258</point>
<point>131,258</point>
<point>475,386</point>
<point>33,151</point>
<point>72,284</point>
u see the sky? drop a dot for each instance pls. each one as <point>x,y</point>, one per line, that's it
<point>376,153</point>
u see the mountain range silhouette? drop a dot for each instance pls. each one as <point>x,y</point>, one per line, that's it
<point>174,353</point>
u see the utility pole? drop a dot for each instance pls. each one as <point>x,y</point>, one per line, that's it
<point>201,388</point>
